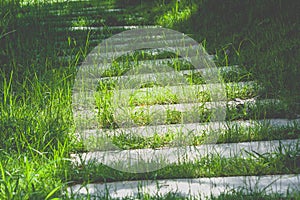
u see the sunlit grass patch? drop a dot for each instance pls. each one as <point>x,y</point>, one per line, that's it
<point>176,12</point>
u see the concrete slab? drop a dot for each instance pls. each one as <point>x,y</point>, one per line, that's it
<point>187,129</point>
<point>198,188</point>
<point>136,158</point>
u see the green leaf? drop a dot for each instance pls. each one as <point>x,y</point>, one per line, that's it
<point>52,192</point>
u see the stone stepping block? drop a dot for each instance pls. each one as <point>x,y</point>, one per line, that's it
<point>166,61</point>
<point>152,34</point>
<point>185,130</point>
<point>118,45</point>
<point>124,46</point>
<point>188,113</point>
<point>193,52</point>
<point>63,21</point>
<point>127,41</point>
<point>163,72</point>
<point>120,28</point>
<point>90,77</point>
<point>101,63</point>
<point>120,42</point>
<point>123,38</point>
<point>180,93</point>
<point>80,4</point>
<point>199,188</point>
<point>84,99</point>
<point>157,65</point>
<point>85,11</point>
<point>138,158</point>
<point>84,96</point>
<point>82,9</point>
<point>181,46</point>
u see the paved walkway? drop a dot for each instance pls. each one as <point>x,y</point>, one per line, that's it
<point>186,101</point>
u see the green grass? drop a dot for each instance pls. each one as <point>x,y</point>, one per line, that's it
<point>36,119</point>
<point>260,36</point>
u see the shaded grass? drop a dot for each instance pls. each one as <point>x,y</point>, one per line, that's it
<point>265,36</point>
